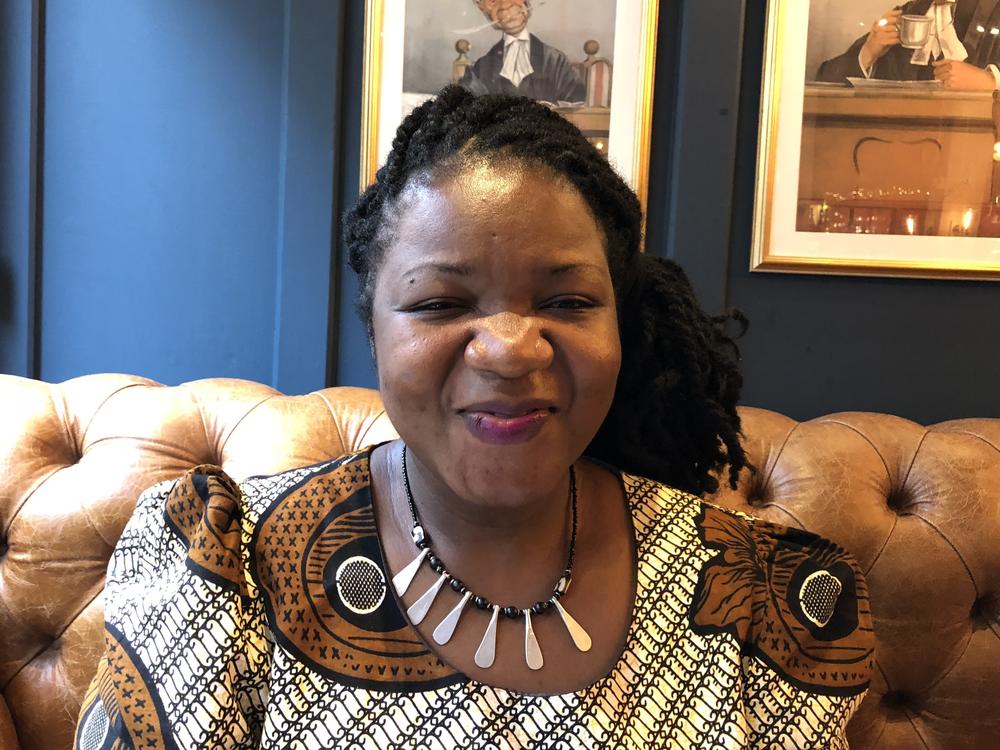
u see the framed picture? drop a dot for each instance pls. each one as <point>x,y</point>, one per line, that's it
<point>879,148</point>
<point>591,60</point>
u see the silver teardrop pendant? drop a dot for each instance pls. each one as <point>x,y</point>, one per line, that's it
<point>418,610</point>
<point>402,580</point>
<point>446,628</point>
<point>581,639</point>
<point>487,650</point>
<point>532,653</point>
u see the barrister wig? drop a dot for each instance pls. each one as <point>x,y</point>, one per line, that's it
<point>673,417</point>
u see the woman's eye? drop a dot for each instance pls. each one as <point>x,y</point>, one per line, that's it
<point>570,303</point>
<point>436,306</point>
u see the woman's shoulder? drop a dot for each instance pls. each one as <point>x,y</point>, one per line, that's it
<point>356,459</point>
<point>206,509</point>
<point>343,474</point>
<point>793,599</point>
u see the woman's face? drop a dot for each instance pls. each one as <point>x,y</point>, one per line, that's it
<point>495,327</point>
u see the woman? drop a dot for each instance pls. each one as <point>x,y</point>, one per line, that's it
<point>490,579</point>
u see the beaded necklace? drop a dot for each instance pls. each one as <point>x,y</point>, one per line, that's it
<point>486,653</point>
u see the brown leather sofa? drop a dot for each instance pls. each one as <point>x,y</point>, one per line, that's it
<point>919,507</point>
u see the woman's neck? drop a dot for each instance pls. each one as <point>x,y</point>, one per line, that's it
<point>491,550</point>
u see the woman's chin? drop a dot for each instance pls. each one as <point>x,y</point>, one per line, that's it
<point>499,500</point>
<point>515,480</point>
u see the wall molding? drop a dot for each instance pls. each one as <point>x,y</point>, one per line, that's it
<point>35,192</point>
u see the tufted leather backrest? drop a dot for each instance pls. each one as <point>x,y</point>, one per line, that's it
<point>919,507</point>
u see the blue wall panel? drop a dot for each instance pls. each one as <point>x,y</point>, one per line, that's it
<point>15,187</point>
<point>308,199</point>
<point>161,171</point>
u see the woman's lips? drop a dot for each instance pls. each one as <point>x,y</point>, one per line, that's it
<point>502,429</point>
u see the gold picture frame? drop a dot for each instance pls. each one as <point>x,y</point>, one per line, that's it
<point>869,176</point>
<point>626,118</point>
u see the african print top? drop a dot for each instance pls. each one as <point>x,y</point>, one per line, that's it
<point>229,625</point>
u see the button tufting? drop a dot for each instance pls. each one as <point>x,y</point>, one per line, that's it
<point>894,699</point>
<point>985,611</point>
<point>757,497</point>
<point>897,700</point>
<point>898,500</point>
<point>3,547</point>
<point>72,449</point>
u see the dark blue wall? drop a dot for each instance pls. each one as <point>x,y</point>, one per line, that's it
<point>16,187</point>
<point>173,173</point>
<point>185,185</point>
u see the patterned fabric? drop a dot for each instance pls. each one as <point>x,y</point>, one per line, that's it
<point>259,616</point>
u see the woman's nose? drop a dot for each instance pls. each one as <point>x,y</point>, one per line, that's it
<point>508,345</point>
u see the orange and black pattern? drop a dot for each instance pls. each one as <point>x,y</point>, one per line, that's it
<point>744,634</point>
<point>320,572</point>
<point>203,509</point>
<point>121,709</point>
<point>187,653</point>
<point>793,599</point>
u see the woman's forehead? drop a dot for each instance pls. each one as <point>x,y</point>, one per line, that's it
<point>483,185</point>
<point>512,203</point>
<point>493,218</point>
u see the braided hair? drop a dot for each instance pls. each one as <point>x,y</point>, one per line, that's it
<point>673,417</point>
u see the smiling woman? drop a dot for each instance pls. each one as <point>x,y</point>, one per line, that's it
<point>497,309</point>
<point>530,564</point>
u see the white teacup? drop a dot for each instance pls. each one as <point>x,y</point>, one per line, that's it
<point>914,31</point>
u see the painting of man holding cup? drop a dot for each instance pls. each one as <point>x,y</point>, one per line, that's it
<point>880,138</point>
<point>900,134</point>
<point>954,42</point>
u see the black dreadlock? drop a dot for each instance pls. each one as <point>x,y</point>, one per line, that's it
<point>673,417</point>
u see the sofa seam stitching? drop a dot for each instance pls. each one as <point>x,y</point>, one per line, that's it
<point>371,424</point>
<point>954,549</point>
<point>333,418</point>
<point>222,448</point>
<point>115,392</point>
<point>976,437</point>
<point>204,425</point>
<point>20,506</point>
<point>59,635</point>
<point>777,454</point>
<point>951,667</point>
<point>868,440</point>
<point>885,543</point>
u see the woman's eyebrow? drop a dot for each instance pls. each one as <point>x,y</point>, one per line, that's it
<point>565,268</point>
<point>454,269</point>
<point>465,270</point>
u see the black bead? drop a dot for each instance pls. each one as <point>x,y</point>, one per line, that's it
<point>511,612</point>
<point>436,565</point>
<point>456,585</point>
<point>539,607</point>
<point>482,602</point>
